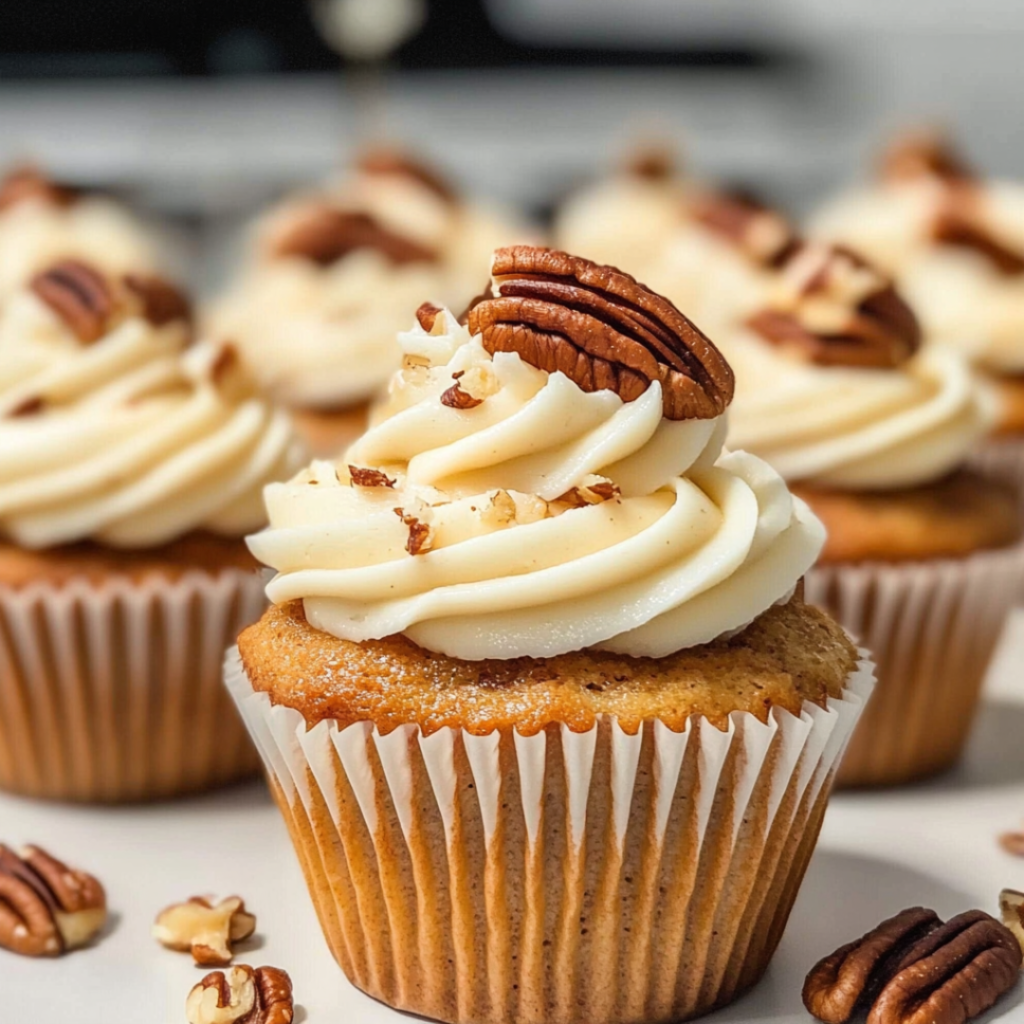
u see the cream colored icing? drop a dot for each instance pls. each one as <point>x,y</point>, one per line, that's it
<point>696,543</point>
<point>856,428</point>
<point>961,299</point>
<point>35,234</point>
<point>324,336</point>
<point>135,442</point>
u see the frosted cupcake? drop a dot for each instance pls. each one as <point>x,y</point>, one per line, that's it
<point>923,556</point>
<point>539,698</point>
<point>956,245</point>
<point>334,275</point>
<point>42,221</point>
<point>130,469</point>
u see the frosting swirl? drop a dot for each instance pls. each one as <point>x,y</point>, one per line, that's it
<point>853,427</point>
<point>543,518</point>
<point>129,439</point>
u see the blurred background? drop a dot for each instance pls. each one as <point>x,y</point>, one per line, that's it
<point>204,109</point>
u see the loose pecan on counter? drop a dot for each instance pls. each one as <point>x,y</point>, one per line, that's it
<point>602,329</point>
<point>205,929</point>
<point>46,908</point>
<point>324,234</point>
<point>242,996</point>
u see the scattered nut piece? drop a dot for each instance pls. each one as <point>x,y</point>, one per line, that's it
<point>161,301</point>
<point>47,908</point>
<point>456,398</point>
<point>592,490</point>
<point>361,476</point>
<point>1013,842</point>
<point>421,536</point>
<point>242,996</point>
<point>1011,910</point>
<point>29,407</point>
<point>205,929</point>
<point>426,315</point>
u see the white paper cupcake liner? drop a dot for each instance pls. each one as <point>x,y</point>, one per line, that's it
<point>561,877</point>
<point>932,628</point>
<point>113,692</point>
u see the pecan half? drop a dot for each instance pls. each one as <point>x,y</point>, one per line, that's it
<point>242,996</point>
<point>957,224</point>
<point>161,301</point>
<point>46,908</point>
<point>79,294</point>
<point>849,978</point>
<point>388,160</point>
<point>1011,910</point>
<point>924,154</point>
<point>602,329</point>
<point>26,183</point>
<point>837,310</point>
<point>204,928</point>
<point>952,974</point>
<point>762,234</point>
<point>652,162</point>
<point>361,476</point>
<point>325,234</point>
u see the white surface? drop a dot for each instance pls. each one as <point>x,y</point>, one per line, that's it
<point>933,845</point>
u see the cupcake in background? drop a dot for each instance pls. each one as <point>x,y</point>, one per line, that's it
<point>540,701</point>
<point>955,243</point>
<point>131,467</point>
<point>333,275</point>
<point>42,222</point>
<point>924,556</point>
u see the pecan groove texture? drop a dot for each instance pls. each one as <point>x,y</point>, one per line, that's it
<point>79,294</point>
<point>242,996</point>
<point>602,329</point>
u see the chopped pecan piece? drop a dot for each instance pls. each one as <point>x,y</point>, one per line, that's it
<point>421,536</point>
<point>79,295</point>
<point>456,398</point>
<point>205,929</point>
<point>426,315</point>
<point>761,233</point>
<point>325,234</point>
<point>387,160</point>
<point>29,407</point>
<point>602,329</point>
<point>1011,910</point>
<point>361,476</point>
<point>1013,842</point>
<point>26,183</point>
<point>854,974</point>
<point>242,996</point>
<point>652,162</point>
<point>952,974</point>
<point>161,301</point>
<point>46,908</point>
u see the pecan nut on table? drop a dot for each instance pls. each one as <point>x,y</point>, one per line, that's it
<point>205,929</point>
<point>913,969</point>
<point>242,996</point>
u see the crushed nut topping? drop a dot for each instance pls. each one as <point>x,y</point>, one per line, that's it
<point>29,183</point>
<point>421,536</point>
<point>594,490</point>
<point>242,996</point>
<point>47,908</point>
<point>913,969</point>
<point>361,476</point>
<point>602,329</point>
<point>205,929</point>
<point>456,398</point>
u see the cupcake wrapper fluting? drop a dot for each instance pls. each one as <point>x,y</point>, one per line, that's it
<point>113,692</point>
<point>932,628</point>
<point>595,877</point>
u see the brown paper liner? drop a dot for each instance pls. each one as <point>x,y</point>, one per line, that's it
<point>113,692</point>
<point>932,628</point>
<point>565,877</point>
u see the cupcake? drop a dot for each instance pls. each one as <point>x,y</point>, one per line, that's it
<point>955,243</point>
<point>42,222</point>
<point>709,250</point>
<point>873,431</point>
<point>540,701</point>
<point>130,468</point>
<point>334,275</point>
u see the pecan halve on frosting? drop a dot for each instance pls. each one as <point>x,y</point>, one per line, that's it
<point>602,329</point>
<point>874,328</point>
<point>388,160</point>
<point>924,154</point>
<point>325,234</point>
<point>761,233</point>
<point>27,183</point>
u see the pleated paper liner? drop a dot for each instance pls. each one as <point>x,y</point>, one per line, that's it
<point>932,628</point>
<point>595,877</point>
<point>114,692</point>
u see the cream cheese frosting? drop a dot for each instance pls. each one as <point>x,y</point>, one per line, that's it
<point>131,440</point>
<point>321,335</point>
<point>856,428</point>
<point>545,519</point>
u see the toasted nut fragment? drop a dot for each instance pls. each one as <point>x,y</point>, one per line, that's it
<point>324,234</point>
<point>24,184</point>
<point>79,294</point>
<point>850,977</point>
<point>242,996</point>
<point>361,476</point>
<point>1013,842</point>
<point>161,302</point>
<point>421,536</point>
<point>204,928</point>
<point>1011,910</point>
<point>426,315</point>
<point>952,974</point>
<point>602,329</point>
<point>456,398</point>
<point>29,407</point>
<point>46,908</point>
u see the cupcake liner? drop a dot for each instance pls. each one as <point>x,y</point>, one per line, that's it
<point>112,692</point>
<point>932,628</point>
<point>593,877</point>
